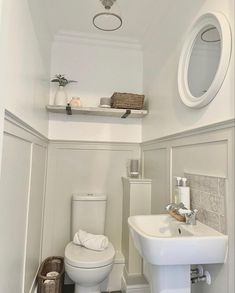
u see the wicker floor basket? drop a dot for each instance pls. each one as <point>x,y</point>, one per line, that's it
<point>127,101</point>
<point>51,284</point>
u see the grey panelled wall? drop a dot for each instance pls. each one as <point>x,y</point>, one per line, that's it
<point>35,208</point>
<point>22,193</point>
<point>155,163</point>
<point>84,167</point>
<point>208,151</point>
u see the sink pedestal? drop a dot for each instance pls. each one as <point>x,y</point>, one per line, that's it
<point>170,279</point>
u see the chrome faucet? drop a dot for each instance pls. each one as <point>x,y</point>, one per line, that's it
<point>175,207</point>
<point>190,216</point>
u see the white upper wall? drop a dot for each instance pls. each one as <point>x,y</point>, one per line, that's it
<point>45,36</point>
<point>101,67</point>
<point>78,14</point>
<point>24,74</point>
<point>161,55</point>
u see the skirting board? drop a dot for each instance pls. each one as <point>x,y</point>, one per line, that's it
<point>113,282</point>
<point>135,284</point>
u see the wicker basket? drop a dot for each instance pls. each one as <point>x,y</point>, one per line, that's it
<point>55,263</point>
<point>127,101</point>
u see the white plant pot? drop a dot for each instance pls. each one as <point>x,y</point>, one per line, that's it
<point>60,97</point>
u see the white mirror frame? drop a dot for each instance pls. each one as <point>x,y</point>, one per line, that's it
<point>221,23</point>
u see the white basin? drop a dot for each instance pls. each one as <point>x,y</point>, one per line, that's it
<point>162,240</point>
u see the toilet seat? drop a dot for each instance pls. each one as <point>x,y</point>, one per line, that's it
<point>81,257</point>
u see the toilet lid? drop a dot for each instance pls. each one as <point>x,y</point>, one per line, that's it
<point>82,257</point>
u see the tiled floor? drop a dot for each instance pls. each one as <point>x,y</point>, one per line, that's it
<point>70,289</point>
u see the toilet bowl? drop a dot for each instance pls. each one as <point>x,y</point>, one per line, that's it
<point>88,268</point>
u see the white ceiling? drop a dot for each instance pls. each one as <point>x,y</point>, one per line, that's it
<point>76,16</point>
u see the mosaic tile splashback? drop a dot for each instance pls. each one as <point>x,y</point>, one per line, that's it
<point>208,196</point>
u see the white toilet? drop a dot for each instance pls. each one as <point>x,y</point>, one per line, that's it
<point>88,268</point>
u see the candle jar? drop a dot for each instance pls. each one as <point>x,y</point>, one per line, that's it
<point>75,102</point>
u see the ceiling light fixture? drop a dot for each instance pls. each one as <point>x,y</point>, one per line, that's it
<point>107,20</point>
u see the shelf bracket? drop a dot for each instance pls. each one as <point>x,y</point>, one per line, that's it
<point>127,113</point>
<point>68,110</point>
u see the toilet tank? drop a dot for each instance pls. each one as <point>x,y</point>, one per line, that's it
<point>88,213</point>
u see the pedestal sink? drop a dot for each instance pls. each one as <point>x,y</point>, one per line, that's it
<point>170,247</point>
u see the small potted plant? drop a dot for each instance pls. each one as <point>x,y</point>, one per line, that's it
<point>61,96</point>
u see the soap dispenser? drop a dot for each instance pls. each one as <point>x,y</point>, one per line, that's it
<point>184,193</point>
<point>176,191</point>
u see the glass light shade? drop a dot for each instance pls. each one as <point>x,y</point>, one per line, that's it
<point>107,21</point>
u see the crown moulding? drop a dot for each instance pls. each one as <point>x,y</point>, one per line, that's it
<point>97,40</point>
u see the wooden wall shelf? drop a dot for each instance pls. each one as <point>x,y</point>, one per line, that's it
<point>111,112</point>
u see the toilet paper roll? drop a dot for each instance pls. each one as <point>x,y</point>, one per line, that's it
<point>49,282</point>
<point>52,274</point>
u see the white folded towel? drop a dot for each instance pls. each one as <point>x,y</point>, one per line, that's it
<point>91,241</point>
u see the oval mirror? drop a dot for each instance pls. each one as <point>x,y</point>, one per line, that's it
<point>204,60</point>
